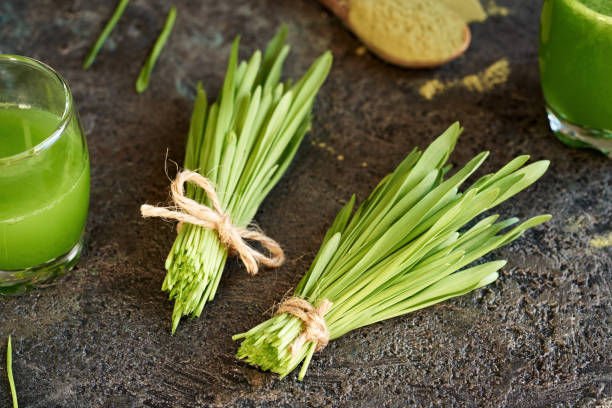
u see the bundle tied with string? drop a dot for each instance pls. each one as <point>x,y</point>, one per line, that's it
<point>411,244</point>
<point>215,218</point>
<point>237,150</point>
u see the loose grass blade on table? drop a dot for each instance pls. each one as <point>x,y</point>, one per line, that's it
<point>406,247</point>
<point>9,372</point>
<point>108,28</point>
<point>142,82</point>
<point>242,143</point>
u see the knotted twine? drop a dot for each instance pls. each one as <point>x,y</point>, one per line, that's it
<point>216,219</point>
<point>313,321</point>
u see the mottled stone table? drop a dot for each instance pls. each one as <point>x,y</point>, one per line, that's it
<point>538,337</point>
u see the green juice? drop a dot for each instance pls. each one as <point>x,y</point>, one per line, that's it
<point>43,197</point>
<point>576,61</point>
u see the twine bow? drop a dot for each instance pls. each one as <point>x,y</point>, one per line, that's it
<point>312,318</point>
<point>215,218</point>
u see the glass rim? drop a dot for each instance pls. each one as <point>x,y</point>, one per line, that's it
<point>583,8</point>
<point>64,119</point>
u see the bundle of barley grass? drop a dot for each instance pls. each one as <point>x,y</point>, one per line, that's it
<point>405,248</point>
<point>243,143</point>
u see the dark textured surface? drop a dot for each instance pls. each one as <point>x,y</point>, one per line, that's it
<point>538,337</point>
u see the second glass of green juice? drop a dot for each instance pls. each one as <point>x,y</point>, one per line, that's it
<point>576,71</point>
<point>44,175</point>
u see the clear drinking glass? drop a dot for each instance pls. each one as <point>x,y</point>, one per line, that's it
<point>44,175</point>
<point>576,71</point>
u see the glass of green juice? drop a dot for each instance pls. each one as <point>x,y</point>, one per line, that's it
<point>44,175</point>
<point>576,71</point>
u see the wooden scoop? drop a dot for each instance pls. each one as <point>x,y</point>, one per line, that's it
<point>408,33</point>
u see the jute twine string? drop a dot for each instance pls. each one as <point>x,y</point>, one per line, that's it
<point>312,318</point>
<point>215,218</point>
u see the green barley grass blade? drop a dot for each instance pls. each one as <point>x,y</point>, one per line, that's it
<point>227,104</point>
<point>406,247</point>
<point>272,51</point>
<point>273,76</point>
<point>321,261</point>
<point>205,150</point>
<point>240,72</point>
<point>108,28</point>
<point>225,166</point>
<point>9,372</point>
<point>341,220</point>
<point>196,128</point>
<point>145,73</point>
<point>248,81</point>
